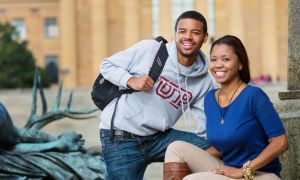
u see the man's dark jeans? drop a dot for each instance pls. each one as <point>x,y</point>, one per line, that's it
<point>127,158</point>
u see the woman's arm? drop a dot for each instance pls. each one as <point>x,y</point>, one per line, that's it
<point>276,147</point>
<point>213,151</point>
<point>269,119</point>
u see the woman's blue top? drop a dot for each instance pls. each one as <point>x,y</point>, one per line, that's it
<point>250,121</point>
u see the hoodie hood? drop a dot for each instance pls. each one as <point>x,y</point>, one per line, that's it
<point>198,68</point>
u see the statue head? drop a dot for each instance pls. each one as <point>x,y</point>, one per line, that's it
<point>9,136</point>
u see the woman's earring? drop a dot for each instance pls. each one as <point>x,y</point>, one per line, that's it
<point>240,67</point>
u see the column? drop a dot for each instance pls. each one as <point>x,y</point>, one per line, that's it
<point>68,56</point>
<point>165,24</point>
<point>235,18</point>
<point>293,52</point>
<point>99,34</point>
<point>202,7</point>
<point>131,22</point>
<point>145,16</point>
<point>269,38</point>
<point>294,45</point>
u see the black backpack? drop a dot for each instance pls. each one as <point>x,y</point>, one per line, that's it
<point>104,91</point>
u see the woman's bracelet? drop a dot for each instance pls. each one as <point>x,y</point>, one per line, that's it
<point>248,173</point>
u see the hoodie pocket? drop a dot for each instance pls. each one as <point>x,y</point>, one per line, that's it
<point>131,107</point>
<point>142,112</point>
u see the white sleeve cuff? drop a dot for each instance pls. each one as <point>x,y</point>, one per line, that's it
<point>123,81</point>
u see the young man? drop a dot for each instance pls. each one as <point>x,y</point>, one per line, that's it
<point>143,120</point>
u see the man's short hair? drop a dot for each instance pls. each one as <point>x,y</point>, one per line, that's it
<point>192,15</point>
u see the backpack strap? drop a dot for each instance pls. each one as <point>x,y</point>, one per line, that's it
<point>159,62</point>
<point>155,71</point>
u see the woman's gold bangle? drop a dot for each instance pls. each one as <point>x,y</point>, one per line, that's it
<point>248,173</point>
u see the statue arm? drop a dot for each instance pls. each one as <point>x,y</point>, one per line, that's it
<point>34,136</point>
<point>66,142</point>
<point>34,147</point>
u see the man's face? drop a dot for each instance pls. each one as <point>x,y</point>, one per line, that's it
<point>189,37</point>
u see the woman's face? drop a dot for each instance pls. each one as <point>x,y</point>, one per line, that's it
<point>224,64</point>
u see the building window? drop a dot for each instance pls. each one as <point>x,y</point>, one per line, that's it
<point>50,27</point>
<point>52,68</point>
<point>34,10</point>
<point>20,28</point>
<point>2,11</point>
<point>179,6</point>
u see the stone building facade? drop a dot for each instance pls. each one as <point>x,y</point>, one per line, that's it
<point>77,34</point>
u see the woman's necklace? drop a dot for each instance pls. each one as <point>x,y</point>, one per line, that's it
<point>223,116</point>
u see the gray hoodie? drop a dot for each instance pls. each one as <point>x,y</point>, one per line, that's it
<point>178,88</point>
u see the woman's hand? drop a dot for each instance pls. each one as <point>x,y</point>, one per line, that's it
<point>228,171</point>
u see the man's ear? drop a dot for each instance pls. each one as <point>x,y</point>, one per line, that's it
<point>205,38</point>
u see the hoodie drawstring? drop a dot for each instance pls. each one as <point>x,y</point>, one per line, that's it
<point>188,102</point>
<point>181,95</point>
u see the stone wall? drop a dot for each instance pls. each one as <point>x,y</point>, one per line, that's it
<point>290,115</point>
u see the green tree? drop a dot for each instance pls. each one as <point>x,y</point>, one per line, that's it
<point>17,64</point>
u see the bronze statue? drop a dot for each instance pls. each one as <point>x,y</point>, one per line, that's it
<point>29,153</point>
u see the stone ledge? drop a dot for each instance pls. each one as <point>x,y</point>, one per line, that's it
<point>287,106</point>
<point>295,94</point>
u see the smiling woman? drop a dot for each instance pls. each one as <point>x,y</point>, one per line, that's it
<point>244,129</point>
